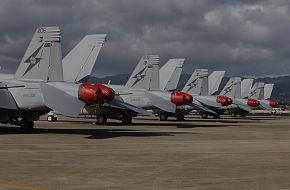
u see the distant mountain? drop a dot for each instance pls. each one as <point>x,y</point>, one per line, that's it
<point>281,90</point>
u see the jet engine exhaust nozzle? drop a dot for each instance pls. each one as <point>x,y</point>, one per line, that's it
<point>274,103</point>
<point>224,100</point>
<point>253,102</point>
<point>181,98</point>
<point>92,94</point>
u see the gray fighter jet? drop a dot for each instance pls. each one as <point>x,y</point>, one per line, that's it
<point>38,84</point>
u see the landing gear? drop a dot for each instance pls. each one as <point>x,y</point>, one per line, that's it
<point>26,125</point>
<point>217,116</point>
<point>101,119</point>
<point>163,117</point>
<point>127,120</point>
<point>51,118</point>
<point>204,115</point>
<point>243,115</point>
<point>180,118</point>
<point>233,114</point>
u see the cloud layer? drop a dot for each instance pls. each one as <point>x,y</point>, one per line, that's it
<point>243,37</point>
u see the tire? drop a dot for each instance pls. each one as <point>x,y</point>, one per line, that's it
<point>217,116</point>
<point>204,115</point>
<point>50,118</point>
<point>233,114</point>
<point>243,115</point>
<point>180,118</point>
<point>127,120</point>
<point>163,117</point>
<point>101,119</point>
<point>54,119</point>
<point>27,125</point>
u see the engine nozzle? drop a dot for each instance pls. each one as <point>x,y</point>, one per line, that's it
<point>253,102</point>
<point>181,98</point>
<point>274,103</point>
<point>224,100</point>
<point>92,94</point>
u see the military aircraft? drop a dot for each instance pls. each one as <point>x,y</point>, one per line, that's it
<point>262,93</point>
<point>141,92</point>
<point>198,85</point>
<point>38,84</point>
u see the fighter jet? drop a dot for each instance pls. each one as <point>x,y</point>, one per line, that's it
<point>263,95</point>
<point>141,91</point>
<point>38,85</point>
<point>77,64</point>
<point>198,86</point>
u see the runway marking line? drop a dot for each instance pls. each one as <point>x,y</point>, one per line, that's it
<point>16,187</point>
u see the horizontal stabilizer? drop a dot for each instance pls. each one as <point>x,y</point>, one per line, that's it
<point>7,100</point>
<point>60,101</point>
<point>265,106</point>
<point>160,102</point>
<point>208,101</point>
<point>126,106</point>
<point>199,106</point>
<point>242,103</point>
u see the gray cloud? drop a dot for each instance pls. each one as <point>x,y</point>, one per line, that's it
<point>242,37</point>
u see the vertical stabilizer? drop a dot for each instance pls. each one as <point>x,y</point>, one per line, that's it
<point>197,83</point>
<point>257,91</point>
<point>232,88</point>
<point>214,81</point>
<point>42,59</point>
<point>268,88</point>
<point>79,62</point>
<point>246,86</point>
<point>170,74</point>
<point>146,74</point>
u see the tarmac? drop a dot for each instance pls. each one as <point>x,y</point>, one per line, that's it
<point>72,153</point>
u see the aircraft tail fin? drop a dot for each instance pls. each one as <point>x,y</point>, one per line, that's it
<point>146,74</point>
<point>79,62</point>
<point>232,88</point>
<point>257,91</point>
<point>246,86</point>
<point>214,81</point>
<point>197,83</point>
<point>170,74</point>
<point>268,88</point>
<point>43,58</point>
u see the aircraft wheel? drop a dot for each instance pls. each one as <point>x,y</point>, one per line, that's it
<point>204,115</point>
<point>127,120</point>
<point>243,115</point>
<point>51,118</point>
<point>54,119</point>
<point>26,125</point>
<point>101,119</point>
<point>180,118</point>
<point>217,116</point>
<point>163,117</point>
<point>233,114</point>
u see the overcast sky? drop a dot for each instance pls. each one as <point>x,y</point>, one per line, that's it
<point>248,37</point>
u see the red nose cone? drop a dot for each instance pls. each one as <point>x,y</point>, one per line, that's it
<point>253,102</point>
<point>108,93</point>
<point>224,100</point>
<point>274,103</point>
<point>178,98</point>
